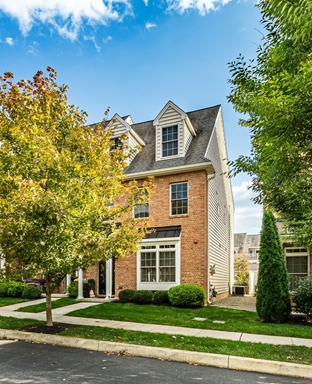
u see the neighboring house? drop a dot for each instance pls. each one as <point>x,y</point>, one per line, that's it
<point>191,210</point>
<point>249,246</point>
<point>298,259</point>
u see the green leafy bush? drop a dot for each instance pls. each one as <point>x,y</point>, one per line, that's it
<point>126,295</point>
<point>143,297</point>
<point>15,288</point>
<point>187,296</point>
<point>11,288</point>
<point>161,298</point>
<point>3,288</point>
<point>302,297</point>
<point>72,289</point>
<point>31,293</point>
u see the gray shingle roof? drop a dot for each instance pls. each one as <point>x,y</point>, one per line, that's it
<point>203,121</point>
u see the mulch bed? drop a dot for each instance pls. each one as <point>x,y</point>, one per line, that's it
<point>50,330</point>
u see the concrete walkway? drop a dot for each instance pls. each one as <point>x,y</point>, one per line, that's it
<point>59,315</point>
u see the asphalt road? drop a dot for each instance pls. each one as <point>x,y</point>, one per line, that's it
<point>24,363</point>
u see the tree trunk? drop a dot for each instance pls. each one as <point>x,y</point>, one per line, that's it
<point>48,304</point>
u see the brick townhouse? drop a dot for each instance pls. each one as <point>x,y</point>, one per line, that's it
<point>191,210</point>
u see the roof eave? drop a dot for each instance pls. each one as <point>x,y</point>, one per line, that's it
<point>207,166</point>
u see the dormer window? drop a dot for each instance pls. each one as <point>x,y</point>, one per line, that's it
<point>116,143</point>
<point>170,141</point>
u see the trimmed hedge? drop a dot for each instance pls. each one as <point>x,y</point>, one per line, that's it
<point>187,296</point>
<point>143,297</point>
<point>161,298</point>
<point>126,295</point>
<point>11,288</point>
<point>31,293</point>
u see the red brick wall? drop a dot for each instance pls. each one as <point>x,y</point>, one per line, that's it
<point>194,226</point>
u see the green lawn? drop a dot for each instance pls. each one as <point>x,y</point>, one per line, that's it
<point>42,306</point>
<point>235,320</point>
<point>13,323</point>
<point>294,354</point>
<point>4,301</point>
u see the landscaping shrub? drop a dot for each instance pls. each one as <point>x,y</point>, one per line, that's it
<point>126,295</point>
<point>161,298</point>
<point>143,297</point>
<point>31,292</point>
<point>302,297</point>
<point>3,288</point>
<point>187,296</point>
<point>15,288</point>
<point>72,289</point>
<point>11,288</point>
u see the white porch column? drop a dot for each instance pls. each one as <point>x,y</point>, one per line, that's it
<point>108,279</point>
<point>67,280</point>
<point>80,283</point>
<point>251,282</point>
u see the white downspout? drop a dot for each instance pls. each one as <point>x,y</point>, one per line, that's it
<point>209,178</point>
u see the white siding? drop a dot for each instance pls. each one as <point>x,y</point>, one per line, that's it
<point>220,215</point>
<point>170,118</point>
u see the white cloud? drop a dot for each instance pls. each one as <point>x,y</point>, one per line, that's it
<point>203,6</point>
<point>248,215</point>
<point>148,26</point>
<point>65,16</point>
<point>146,2</point>
<point>9,40</point>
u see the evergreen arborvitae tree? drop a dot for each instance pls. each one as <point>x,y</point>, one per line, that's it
<point>273,300</point>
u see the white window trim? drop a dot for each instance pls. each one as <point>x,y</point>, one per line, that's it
<point>141,205</point>
<point>298,254</point>
<point>188,200</point>
<point>2,262</point>
<point>162,286</point>
<point>162,143</point>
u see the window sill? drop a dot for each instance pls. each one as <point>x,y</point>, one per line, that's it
<point>182,215</point>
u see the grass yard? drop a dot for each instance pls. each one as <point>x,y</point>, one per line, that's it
<point>293,354</point>
<point>13,323</point>
<point>4,301</point>
<point>55,304</point>
<point>235,320</point>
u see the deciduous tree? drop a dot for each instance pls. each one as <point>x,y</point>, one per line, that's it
<point>63,202</point>
<point>274,95</point>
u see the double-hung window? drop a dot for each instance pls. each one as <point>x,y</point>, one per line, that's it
<point>116,143</point>
<point>179,199</point>
<point>170,141</point>
<point>297,262</point>
<point>158,265</point>
<point>141,210</point>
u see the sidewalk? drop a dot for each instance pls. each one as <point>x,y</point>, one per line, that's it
<point>59,315</point>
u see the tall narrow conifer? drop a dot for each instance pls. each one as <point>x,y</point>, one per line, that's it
<point>273,301</point>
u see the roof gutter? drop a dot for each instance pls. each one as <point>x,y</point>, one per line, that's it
<point>207,166</point>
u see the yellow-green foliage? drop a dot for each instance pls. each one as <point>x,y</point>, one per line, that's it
<point>58,178</point>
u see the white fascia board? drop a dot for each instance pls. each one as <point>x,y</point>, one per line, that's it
<point>172,105</point>
<point>208,167</point>
<point>128,128</point>
<point>137,137</point>
<point>190,126</point>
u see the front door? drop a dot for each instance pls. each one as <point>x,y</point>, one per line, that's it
<point>106,281</point>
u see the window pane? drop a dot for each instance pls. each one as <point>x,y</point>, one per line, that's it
<point>170,141</point>
<point>148,275</point>
<point>167,274</point>
<point>179,199</point>
<point>297,267</point>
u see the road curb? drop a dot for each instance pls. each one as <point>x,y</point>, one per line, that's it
<point>208,359</point>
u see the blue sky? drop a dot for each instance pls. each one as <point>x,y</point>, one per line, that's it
<point>136,55</point>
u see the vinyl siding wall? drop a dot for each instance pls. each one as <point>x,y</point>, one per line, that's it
<point>220,216</point>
